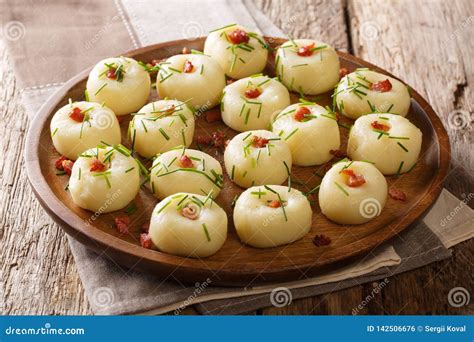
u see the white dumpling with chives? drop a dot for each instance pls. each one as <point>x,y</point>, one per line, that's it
<point>239,51</point>
<point>188,225</point>
<point>194,78</point>
<point>104,179</point>
<point>160,126</point>
<point>256,158</point>
<point>249,103</point>
<point>119,82</point>
<point>310,130</point>
<point>79,126</point>
<point>364,91</point>
<point>352,192</point>
<point>307,66</point>
<point>389,141</point>
<point>271,215</point>
<point>185,170</point>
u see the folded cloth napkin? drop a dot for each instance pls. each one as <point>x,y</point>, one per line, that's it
<point>43,33</point>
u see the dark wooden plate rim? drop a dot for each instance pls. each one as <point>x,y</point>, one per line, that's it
<point>130,255</point>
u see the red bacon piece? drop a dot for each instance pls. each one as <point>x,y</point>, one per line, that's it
<point>354,180</point>
<point>238,36</point>
<point>381,86</point>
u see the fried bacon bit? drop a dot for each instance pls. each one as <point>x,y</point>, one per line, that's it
<point>97,165</point>
<point>168,110</point>
<point>306,50</point>
<point>252,93</point>
<point>396,194</point>
<point>301,113</point>
<point>343,72</point>
<point>337,153</point>
<point>259,142</point>
<point>122,223</point>
<point>111,73</point>
<point>213,116</point>
<point>218,139</point>
<point>67,166</point>
<point>191,211</point>
<point>238,36</point>
<point>186,162</point>
<point>274,204</point>
<point>380,126</point>
<point>145,240</point>
<point>321,240</point>
<point>77,114</point>
<point>354,180</point>
<point>58,164</point>
<point>188,67</point>
<point>382,86</point>
<point>185,51</point>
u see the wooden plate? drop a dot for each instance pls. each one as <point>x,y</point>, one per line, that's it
<point>235,263</point>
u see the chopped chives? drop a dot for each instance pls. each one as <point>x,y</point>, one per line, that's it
<point>341,188</point>
<point>291,134</point>
<point>206,232</point>
<point>102,87</point>
<point>401,145</point>
<point>400,168</point>
<point>166,136</point>
<point>130,169</point>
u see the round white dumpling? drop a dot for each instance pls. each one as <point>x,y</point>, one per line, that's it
<point>104,179</point>
<point>185,170</point>
<point>307,66</point>
<point>249,103</point>
<point>188,225</point>
<point>352,192</point>
<point>271,215</point>
<point>389,141</point>
<point>79,126</point>
<point>239,52</point>
<point>310,131</point>
<point>194,78</point>
<point>119,82</point>
<point>363,91</point>
<point>257,158</point>
<point>160,126</point>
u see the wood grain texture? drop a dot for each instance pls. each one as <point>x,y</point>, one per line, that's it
<point>32,244</point>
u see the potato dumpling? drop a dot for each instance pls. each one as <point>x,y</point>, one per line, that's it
<point>363,92</point>
<point>119,82</point>
<point>310,131</point>
<point>257,158</point>
<point>79,126</point>
<point>194,78</point>
<point>352,192</point>
<point>239,52</point>
<point>160,126</point>
<point>104,179</point>
<point>271,215</point>
<point>249,103</point>
<point>307,66</point>
<point>188,225</point>
<point>389,141</point>
<point>185,170</point>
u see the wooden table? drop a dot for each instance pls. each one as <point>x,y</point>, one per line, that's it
<point>426,43</point>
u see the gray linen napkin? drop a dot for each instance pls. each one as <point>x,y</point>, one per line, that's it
<point>110,27</point>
